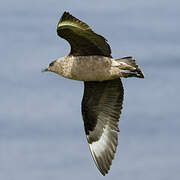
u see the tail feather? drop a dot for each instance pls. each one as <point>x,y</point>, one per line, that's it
<point>129,67</point>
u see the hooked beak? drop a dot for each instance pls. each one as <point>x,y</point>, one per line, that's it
<point>45,70</point>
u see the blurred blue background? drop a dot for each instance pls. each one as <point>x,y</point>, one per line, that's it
<point>41,129</point>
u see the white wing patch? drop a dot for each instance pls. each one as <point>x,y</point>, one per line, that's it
<point>104,149</point>
<point>69,23</point>
<point>99,146</point>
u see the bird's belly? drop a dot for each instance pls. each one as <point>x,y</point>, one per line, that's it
<point>94,68</point>
<point>90,75</point>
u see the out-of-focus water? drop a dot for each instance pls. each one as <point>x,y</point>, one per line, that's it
<point>41,129</point>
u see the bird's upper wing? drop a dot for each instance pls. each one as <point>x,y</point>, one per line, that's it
<point>101,108</point>
<point>83,41</point>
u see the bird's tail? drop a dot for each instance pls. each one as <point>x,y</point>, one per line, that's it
<point>129,67</point>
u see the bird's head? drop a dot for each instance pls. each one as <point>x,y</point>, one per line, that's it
<point>53,67</point>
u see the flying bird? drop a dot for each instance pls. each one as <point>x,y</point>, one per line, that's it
<point>90,61</point>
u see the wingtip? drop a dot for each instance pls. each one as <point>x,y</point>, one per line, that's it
<point>66,13</point>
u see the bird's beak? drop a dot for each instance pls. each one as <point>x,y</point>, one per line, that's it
<point>45,70</point>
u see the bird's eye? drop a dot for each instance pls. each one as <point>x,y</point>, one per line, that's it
<point>51,64</point>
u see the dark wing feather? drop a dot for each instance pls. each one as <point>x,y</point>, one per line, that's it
<point>83,41</point>
<point>101,108</point>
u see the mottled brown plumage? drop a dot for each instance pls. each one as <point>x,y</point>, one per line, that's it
<point>90,61</point>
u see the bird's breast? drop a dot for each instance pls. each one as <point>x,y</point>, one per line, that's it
<point>86,68</point>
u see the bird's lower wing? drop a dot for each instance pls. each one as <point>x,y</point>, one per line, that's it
<point>101,108</point>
